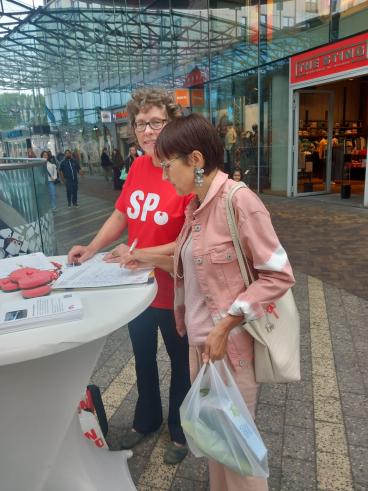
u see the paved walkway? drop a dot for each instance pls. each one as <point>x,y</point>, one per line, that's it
<point>316,430</point>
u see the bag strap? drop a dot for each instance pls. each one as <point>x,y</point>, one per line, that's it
<point>245,269</point>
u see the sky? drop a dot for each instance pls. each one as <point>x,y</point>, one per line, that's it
<point>8,7</point>
<point>35,3</point>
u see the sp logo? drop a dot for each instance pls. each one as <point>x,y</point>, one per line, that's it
<point>141,206</point>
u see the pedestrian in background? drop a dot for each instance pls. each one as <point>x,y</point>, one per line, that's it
<point>106,163</point>
<point>51,158</point>
<point>51,178</point>
<point>117,166</point>
<point>69,170</point>
<point>31,154</point>
<point>132,155</point>
<point>237,174</point>
<point>154,214</point>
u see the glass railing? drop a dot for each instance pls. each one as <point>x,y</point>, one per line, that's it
<point>26,219</point>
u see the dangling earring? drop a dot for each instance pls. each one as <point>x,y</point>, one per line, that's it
<point>198,176</point>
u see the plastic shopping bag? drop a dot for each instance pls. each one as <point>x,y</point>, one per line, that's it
<point>123,174</point>
<point>218,425</point>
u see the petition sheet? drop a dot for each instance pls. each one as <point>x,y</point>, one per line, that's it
<point>96,273</point>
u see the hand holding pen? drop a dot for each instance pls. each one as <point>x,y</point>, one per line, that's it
<point>133,246</point>
<point>126,260</point>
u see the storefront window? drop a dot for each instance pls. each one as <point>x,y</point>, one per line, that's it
<point>222,105</point>
<point>291,26</point>
<point>348,17</point>
<point>234,104</point>
<point>246,118</point>
<point>274,116</point>
<point>233,37</point>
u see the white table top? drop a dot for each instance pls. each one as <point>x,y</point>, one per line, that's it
<point>104,311</point>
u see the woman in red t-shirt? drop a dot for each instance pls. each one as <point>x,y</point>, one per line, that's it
<point>154,215</point>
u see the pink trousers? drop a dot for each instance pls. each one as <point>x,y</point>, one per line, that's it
<point>222,478</point>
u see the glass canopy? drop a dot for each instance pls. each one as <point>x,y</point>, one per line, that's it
<point>84,46</point>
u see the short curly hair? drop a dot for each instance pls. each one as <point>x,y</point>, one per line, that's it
<point>147,97</point>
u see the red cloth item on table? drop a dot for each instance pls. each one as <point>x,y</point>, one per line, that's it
<point>31,281</point>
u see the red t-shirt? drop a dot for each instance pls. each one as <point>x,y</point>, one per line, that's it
<point>155,216</point>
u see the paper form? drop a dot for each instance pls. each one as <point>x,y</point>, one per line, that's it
<point>97,273</point>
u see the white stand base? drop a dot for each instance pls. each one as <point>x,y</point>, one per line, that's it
<point>80,466</point>
<point>42,445</point>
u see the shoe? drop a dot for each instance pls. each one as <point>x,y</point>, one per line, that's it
<point>69,206</point>
<point>174,454</point>
<point>76,206</point>
<point>131,439</point>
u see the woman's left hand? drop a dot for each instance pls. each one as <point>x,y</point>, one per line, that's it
<point>216,342</point>
<point>115,256</point>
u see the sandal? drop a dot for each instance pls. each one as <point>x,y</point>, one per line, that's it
<point>175,454</point>
<point>131,439</point>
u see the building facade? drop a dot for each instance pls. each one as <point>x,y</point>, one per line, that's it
<point>251,67</point>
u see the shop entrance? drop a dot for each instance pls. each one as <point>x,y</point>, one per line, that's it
<point>330,138</point>
<point>312,152</point>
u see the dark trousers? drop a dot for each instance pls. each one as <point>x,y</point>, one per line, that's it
<point>71,191</point>
<point>118,184</point>
<point>143,333</point>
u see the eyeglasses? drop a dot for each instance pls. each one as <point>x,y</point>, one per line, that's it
<point>154,124</point>
<point>167,165</point>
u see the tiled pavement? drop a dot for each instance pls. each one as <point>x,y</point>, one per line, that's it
<point>316,430</point>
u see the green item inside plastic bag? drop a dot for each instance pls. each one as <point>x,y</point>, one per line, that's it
<point>218,424</point>
<point>215,447</point>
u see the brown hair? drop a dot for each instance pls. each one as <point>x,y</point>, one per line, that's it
<point>184,135</point>
<point>147,97</point>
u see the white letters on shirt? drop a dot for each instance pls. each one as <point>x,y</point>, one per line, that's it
<point>134,202</point>
<point>150,204</point>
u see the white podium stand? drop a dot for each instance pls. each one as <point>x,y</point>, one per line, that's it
<point>43,375</point>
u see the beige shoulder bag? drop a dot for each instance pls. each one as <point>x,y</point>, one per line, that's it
<point>276,334</point>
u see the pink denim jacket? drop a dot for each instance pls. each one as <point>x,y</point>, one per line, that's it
<point>217,267</point>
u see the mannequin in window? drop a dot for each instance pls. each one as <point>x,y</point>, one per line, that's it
<point>320,164</point>
<point>322,148</point>
<point>337,162</point>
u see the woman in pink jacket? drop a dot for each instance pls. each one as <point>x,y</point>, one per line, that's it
<point>211,301</point>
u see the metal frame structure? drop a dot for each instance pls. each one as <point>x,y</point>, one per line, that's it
<point>112,45</point>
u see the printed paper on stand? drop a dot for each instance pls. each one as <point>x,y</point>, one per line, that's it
<point>29,313</point>
<point>96,273</point>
